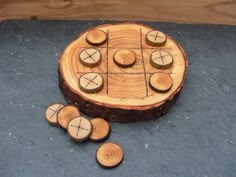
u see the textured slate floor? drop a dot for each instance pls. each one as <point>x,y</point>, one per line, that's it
<point>197,138</point>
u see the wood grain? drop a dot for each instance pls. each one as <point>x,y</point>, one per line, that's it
<point>185,11</point>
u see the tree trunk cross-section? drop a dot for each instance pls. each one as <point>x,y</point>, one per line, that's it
<point>138,92</point>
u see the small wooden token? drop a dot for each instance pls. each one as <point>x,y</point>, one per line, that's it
<point>161,59</point>
<point>90,57</point>
<point>51,113</point>
<point>155,38</point>
<point>96,37</point>
<point>101,130</point>
<point>91,82</point>
<point>124,58</point>
<point>160,82</point>
<point>79,129</point>
<point>66,114</point>
<point>109,155</point>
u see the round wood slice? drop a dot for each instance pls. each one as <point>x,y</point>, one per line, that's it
<point>161,59</point>
<point>124,58</point>
<point>90,57</point>
<point>109,155</point>
<point>79,129</point>
<point>125,95</point>
<point>156,38</point>
<point>51,113</point>
<point>101,130</point>
<point>96,37</point>
<point>160,82</point>
<point>66,114</point>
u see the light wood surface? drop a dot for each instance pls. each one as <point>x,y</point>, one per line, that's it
<point>109,155</point>
<point>123,88</point>
<point>96,37</point>
<point>79,129</point>
<point>66,114</point>
<point>161,59</point>
<point>51,113</point>
<point>90,57</point>
<point>124,58</point>
<point>101,130</point>
<point>160,82</point>
<point>185,11</point>
<point>156,38</point>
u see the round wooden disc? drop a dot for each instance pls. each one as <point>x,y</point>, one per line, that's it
<point>156,38</point>
<point>90,57</point>
<point>91,82</point>
<point>101,130</point>
<point>51,113</point>
<point>124,58</point>
<point>160,82</point>
<point>161,59</point>
<point>109,155</point>
<point>96,37</point>
<point>79,129</point>
<point>66,114</point>
<point>122,94</point>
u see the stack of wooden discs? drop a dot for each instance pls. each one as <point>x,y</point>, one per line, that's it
<point>81,129</point>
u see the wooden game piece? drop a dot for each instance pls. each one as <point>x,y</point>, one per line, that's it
<point>161,59</point>
<point>51,113</point>
<point>125,94</point>
<point>109,155</point>
<point>79,129</point>
<point>66,114</point>
<point>124,58</point>
<point>160,82</point>
<point>101,130</point>
<point>90,57</point>
<point>155,38</point>
<point>91,82</point>
<point>96,37</point>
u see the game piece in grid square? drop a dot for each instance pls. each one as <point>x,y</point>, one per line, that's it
<point>160,82</point>
<point>101,130</point>
<point>125,58</point>
<point>123,94</point>
<point>91,82</point>
<point>96,37</point>
<point>51,113</point>
<point>90,57</point>
<point>161,59</point>
<point>79,129</point>
<point>66,114</point>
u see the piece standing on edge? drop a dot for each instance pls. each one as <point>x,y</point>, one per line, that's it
<point>51,113</point>
<point>66,114</point>
<point>160,82</point>
<point>91,82</point>
<point>101,130</point>
<point>90,57</point>
<point>96,37</point>
<point>161,59</point>
<point>156,38</point>
<point>79,129</point>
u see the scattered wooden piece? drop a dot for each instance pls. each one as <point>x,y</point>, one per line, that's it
<point>79,129</point>
<point>124,58</point>
<point>96,37</point>
<point>101,130</point>
<point>51,113</point>
<point>161,59</point>
<point>90,57</point>
<point>66,114</point>
<point>155,38</point>
<point>109,155</point>
<point>91,82</point>
<point>160,82</point>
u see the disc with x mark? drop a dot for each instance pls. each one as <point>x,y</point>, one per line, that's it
<point>52,111</point>
<point>79,129</point>
<point>91,82</point>
<point>90,57</point>
<point>156,38</point>
<point>161,59</point>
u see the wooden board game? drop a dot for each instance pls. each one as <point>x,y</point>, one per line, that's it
<point>122,72</point>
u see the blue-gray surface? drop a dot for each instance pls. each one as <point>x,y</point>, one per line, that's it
<point>197,138</point>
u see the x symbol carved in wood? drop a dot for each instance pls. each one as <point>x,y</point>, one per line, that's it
<point>90,55</point>
<point>156,36</point>
<point>161,57</point>
<point>55,111</point>
<point>91,81</point>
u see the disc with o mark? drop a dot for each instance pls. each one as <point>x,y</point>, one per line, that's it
<point>109,155</point>
<point>79,129</point>
<point>161,59</point>
<point>155,38</point>
<point>96,37</point>
<point>91,82</point>
<point>51,113</point>
<point>101,130</point>
<point>124,58</point>
<point>90,57</point>
<point>160,82</point>
<point>66,114</point>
